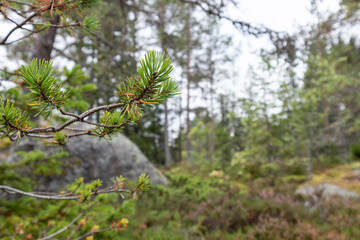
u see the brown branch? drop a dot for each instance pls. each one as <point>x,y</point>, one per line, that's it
<point>23,37</point>
<point>3,42</point>
<point>104,125</point>
<point>29,18</point>
<point>86,132</point>
<point>14,22</point>
<point>76,118</point>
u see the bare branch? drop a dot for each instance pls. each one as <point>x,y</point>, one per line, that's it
<point>24,37</point>
<point>37,11</point>
<point>76,118</point>
<point>245,27</point>
<point>65,196</point>
<point>78,24</point>
<point>3,42</point>
<point>64,228</point>
<point>93,233</point>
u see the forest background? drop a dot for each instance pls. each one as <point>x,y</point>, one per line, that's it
<point>233,160</point>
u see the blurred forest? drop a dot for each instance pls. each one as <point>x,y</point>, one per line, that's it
<point>235,162</point>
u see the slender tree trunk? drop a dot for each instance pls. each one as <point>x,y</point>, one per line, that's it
<point>45,41</point>
<point>166,136</point>
<point>188,76</point>
<point>342,139</point>
<point>309,151</point>
<point>212,125</point>
<point>162,28</point>
<point>181,129</point>
<point>268,144</point>
<point>326,113</point>
<point>212,136</point>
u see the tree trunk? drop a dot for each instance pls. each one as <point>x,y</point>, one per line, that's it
<point>45,41</point>
<point>166,136</point>
<point>212,124</point>
<point>188,76</point>
<point>166,111</point>
<point>309,151</point>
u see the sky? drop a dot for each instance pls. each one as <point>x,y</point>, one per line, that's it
<point>279,15</point>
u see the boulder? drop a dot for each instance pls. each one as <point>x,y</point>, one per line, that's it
<point>325,191</point>
<point>92,159</point>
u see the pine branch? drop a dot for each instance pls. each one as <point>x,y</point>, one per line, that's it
<point>38,11</point>
<point>153,86</point>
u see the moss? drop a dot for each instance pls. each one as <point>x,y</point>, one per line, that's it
<point>5,143</point>
<point>342,176</point>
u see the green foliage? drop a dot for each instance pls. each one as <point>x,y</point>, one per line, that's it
<point>87,3</point>
<point>118,181</point>
<point>12,119</point>
<point>211,140</point>
<point>224,212</point>
<point>154,85</point>
<point>40,163</point>
<point>110,119</point>
<point>46,94</point>
<point>75,83</point>
<point>60,138</point>
<point>24,217</point>
<point>90,24</point>
<point>141,185</point>
<point>355,151</point>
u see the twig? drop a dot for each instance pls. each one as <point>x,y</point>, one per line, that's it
<point>22,3</point>
<point>243,26</point>
<point>93,233</point>
<point>64,228</point>
<point>65,196</point>
<point>38,12</point>
<point>76,118</point>
<point>78,24</point>
<point>67,226</point>
<point>3,42</point>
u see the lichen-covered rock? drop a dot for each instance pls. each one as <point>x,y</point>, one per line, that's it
<point>92,159</point>
<point>325,191</point>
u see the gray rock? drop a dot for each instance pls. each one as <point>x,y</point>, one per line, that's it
<point>357,172</point>
<point>92,159</point>
<point>325,191</point>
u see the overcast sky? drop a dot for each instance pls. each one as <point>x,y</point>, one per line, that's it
<point>279,15</point>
